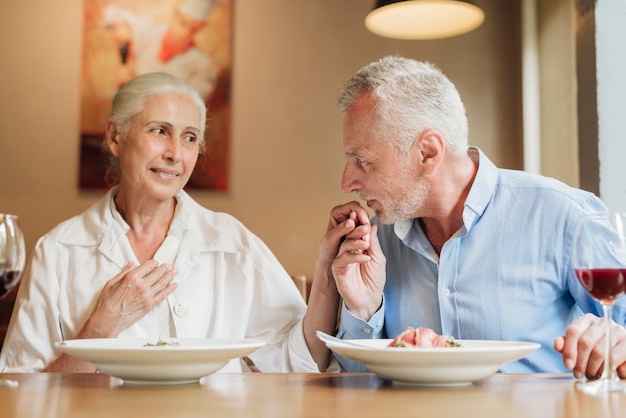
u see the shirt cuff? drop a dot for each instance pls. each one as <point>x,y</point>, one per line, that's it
<point>351,327</point>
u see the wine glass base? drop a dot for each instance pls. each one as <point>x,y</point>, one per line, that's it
<point>603,385</point>
<point>6,383</point>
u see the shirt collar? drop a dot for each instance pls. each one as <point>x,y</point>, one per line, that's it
<point>177,225</point>
<point>482,188</point>
<point>201,230</point>
<point>402,227</point>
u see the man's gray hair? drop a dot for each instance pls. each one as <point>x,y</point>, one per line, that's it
<point>410,97</point>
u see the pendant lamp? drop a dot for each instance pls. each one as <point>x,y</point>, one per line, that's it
<point>423,19</point>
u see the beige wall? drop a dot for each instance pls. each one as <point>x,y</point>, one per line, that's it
<point>290,61</point>
<point>557,58</point>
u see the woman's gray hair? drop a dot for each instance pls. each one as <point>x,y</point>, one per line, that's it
<point>410,97</point>
<point>129,102</point>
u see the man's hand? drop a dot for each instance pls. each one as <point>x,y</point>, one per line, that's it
<point>351,254</point>
<point>343,222</point>
<point>582,347</point>
<point>349,221</point>
<point>359,272</point>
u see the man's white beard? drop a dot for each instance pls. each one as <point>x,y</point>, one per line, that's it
<point>409,202</point>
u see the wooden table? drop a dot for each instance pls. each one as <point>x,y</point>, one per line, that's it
<point>301,395</point>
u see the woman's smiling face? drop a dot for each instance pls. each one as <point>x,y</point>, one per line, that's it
<point>159,151</point>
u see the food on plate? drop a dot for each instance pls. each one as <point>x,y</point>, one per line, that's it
<point>423,338</point>
<point>161,343</point>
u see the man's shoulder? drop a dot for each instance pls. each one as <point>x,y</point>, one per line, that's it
<point>522,180</point>
<point>532,188</point>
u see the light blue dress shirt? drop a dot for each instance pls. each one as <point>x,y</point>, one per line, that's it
<point>505,275</point>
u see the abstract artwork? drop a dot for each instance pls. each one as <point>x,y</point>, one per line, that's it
<point>191,39</point>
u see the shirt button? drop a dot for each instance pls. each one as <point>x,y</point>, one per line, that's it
<point>446,292</point>
<point>182,309</point>
<point>367,330</point>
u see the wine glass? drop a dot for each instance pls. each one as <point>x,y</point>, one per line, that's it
<point>12,253</point>
<point>600,264</point>
<point>12,259</point>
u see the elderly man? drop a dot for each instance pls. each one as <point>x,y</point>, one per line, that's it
<point>457,245</point>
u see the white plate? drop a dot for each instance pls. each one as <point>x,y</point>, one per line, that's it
<point>133,361</point>
<point>450,366</point>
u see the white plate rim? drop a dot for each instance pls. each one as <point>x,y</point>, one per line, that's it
<point>442,366</point>
<point>130,360</point>
<point>466,346</point>
<point>139,344</point>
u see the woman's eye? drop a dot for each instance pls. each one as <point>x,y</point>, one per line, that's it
<point>191,138</point>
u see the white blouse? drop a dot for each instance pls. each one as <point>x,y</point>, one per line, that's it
<point>230,285</point>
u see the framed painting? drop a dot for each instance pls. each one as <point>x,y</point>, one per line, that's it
<point>191,39</point>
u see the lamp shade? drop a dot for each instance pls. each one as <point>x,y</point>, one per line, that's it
<point>423,19</point>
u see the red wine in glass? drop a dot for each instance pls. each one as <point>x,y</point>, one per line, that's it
<point>604,284</point>
<point>12,253</point>
<point>599,263</point>
<point>8,280</point>
<point>12,259</point>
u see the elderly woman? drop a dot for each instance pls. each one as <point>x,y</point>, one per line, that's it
<point>148,261</point>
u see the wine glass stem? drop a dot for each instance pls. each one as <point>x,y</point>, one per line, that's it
<point>609,368</point>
